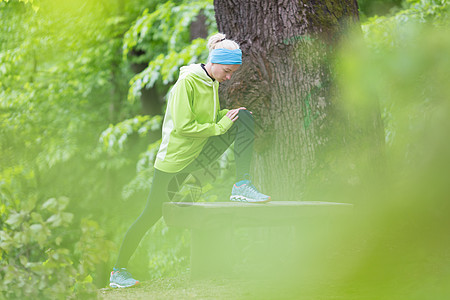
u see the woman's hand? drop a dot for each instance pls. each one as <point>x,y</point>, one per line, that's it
<point>233,113</point>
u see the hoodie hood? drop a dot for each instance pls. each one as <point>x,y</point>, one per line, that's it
<point>196,71</point>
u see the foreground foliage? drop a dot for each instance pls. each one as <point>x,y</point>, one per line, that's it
<point>75,154</point>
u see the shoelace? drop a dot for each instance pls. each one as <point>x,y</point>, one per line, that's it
<point>124,274</point>
<point>253,189</point>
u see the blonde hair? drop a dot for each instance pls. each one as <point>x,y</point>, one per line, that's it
<point>218,41</point>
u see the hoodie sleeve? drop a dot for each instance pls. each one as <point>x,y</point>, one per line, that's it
<point>222,113</point>
<point>184,120</point>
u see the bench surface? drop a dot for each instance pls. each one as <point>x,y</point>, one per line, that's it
<point>198,215</point>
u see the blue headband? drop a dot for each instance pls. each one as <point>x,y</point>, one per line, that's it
<point>226,56</point>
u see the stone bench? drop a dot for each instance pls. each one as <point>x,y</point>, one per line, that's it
<point>215,227</point>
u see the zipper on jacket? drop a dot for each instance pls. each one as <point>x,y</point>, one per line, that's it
<point>215,104</point>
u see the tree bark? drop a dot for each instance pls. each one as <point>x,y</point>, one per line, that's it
<point>286,81</point>
<point>198,28</point>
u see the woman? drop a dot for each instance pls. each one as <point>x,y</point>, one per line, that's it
<point>195,133</point>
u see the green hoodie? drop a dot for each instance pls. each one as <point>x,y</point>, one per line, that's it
<point>192,115</point>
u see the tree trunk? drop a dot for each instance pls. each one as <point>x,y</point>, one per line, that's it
<point>286,81</point>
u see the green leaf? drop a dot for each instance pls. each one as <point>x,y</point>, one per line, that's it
<point>40,233</point>
<point>50,205</point>
<point>15,219</point>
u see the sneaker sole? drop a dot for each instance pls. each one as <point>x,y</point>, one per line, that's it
<point>248,200</point>
<point>115,285</point>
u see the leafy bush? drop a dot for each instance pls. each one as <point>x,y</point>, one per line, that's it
<point>164,37</point>
<point>59,64</point>
<point>390,31</point>
<point>36,242</point>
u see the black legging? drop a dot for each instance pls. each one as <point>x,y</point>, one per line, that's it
<point>242,132</point>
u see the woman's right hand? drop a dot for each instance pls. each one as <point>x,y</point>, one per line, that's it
<point>233,113</point>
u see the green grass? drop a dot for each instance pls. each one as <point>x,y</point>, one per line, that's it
<point>182,287</point>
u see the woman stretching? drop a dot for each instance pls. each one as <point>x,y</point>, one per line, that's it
<point>195,133</point>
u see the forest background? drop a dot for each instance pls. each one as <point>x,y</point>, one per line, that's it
<point>83,86</point>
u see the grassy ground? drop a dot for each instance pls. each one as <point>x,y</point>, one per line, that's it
<point>178,288</point>
<point>182,287</point>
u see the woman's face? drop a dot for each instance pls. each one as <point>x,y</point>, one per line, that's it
<point>223,72</point>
